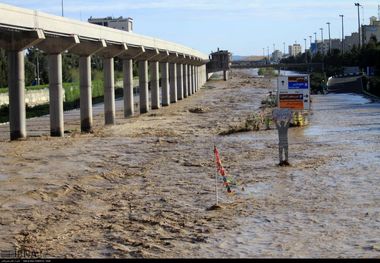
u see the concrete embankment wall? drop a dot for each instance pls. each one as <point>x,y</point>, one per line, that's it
<point>32,97</point>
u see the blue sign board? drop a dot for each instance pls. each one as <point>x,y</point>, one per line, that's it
<point>298,83</point>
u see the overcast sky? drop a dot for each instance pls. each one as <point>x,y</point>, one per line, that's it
<point>244,27</point>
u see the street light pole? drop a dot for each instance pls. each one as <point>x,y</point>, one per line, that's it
<point>62,7</point>
<point>342,16</point>
<point>315,37</point>
<point>323,44</point>
<point>358,5</point>
<point>328,23</point>
<point>305,51</point>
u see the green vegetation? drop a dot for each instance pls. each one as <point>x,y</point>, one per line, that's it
<point>268,72</point>
<point>334,62</point>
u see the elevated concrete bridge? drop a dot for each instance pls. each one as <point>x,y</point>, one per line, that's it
<point>183,69</point>
<point>254,64</point>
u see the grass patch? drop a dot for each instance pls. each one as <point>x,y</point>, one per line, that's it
<point>253,122</point>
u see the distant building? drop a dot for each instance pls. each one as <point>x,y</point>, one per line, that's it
<point>221,60</point>
<point>336,44</point>
<point>277,56</point>
<point>125,24</point>
<point>373,29</point>
<point>351,41</point>
<point>295,50</point>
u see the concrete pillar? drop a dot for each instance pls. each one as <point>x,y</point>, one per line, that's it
<point>55,95</point>
<point>155,84</point>
<point>180,92</point>
<point>128,87</point>
<point>190,81</point>
<point>109,91</point>
<point>85,93</point>
<point>225,75</point>
<point>173,82</point>
<point>165,84</point>
<point>196,78</point>
<point>143,86</point>
<point>16,84</point>
<point>185,81</point>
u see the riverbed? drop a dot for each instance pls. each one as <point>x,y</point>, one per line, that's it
<point>142,188</point>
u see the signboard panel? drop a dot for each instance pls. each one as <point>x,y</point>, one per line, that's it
<point>298,83</point>
<point>291,101</point>
<point>294,92</point>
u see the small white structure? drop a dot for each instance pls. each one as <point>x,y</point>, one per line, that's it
<point>125,24</point>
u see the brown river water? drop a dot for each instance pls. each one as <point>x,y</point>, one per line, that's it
<point>142,188</point>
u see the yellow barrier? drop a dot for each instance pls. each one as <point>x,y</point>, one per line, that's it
<point>299,119</point>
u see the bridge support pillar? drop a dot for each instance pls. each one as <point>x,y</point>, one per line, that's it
<point>173,82</point>
<point>16,84</point>
<point>180,82</point>
<point>165,84</point>
<point>185,81</point>
<point>197,78</point>
<point>84,50</point>
<point>225,75</point>
<point>155,84</point>
<point>144,88</point>
<point>85,93</point>
<point>55,95</point>
<point>191,80</point>
<point>128,87</point>
<point>109,91</point>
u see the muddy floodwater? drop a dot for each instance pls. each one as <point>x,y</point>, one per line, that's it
<point>142,188</point>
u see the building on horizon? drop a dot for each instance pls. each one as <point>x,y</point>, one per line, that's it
<point>295,50</point>
<point>371,30</point>
<point>125,24</point>
<point>277,56</point>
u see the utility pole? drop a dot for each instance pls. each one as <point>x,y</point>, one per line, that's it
<point>358,5</point>
<point>305,51</point>
<point>315,37</point>
<point>328,24</point>
<point>342,16</point>
<point>310,45</point>
<point>323,44</point>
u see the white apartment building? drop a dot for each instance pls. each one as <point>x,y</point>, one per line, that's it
<point>125,24</point>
